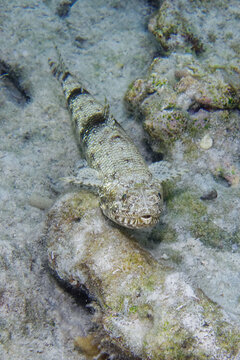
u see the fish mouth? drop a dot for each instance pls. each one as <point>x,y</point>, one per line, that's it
<point>137,222</point>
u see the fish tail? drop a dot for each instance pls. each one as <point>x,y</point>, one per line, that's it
<point>58,68</point>
<point>71,86</point>
<point>86,112</point>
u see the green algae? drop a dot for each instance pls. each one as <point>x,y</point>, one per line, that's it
<point>185,202</point>
<point>197,128</point>
<point>74,210</point>
<point>174,349</point>
<point>168,347</point>
<point>229,339</point>
<point>201,224</point>
<point>166,125</point>
<point>191,150</point>
<point>163,28</point>
<point>176,257</point>
<point>140,301</point>
<point>167,234</point>
<point>202,83</point>
<point>157,100</point>
<point>133,309</point>
<point>135,94</point>
<point>210,234</point>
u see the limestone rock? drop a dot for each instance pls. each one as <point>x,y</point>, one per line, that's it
<point>198,27</point>
<point>206,142</point>
<point>144,309</point>
<point>179,98</point>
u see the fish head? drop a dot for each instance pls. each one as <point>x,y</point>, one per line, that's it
<point>136,206</point>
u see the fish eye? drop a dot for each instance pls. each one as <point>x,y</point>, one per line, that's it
<point>124,197</point>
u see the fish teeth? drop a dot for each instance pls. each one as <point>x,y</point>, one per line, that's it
<point>120,219</point>
<point>137,222</point>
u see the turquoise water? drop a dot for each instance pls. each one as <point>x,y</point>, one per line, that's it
<point>107,45</point>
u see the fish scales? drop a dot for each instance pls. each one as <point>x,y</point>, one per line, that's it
<point>129,194</point>
<point>108,150</point>
<point>104,143</point>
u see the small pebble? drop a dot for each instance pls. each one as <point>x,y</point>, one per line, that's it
<point>206,142</point>
<point>210,195</point>
<point>40,202</point>
<point>120,66</point>
<point>164,257</point>
<point>234,248</point>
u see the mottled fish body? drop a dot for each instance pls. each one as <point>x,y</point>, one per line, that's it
<point>129,193</point>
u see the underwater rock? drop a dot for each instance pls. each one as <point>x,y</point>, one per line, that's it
<point>227,172</point>
<point>143,309</point>
<point>206,142</point>
<point>179,96</point>
<point>210,195</point>
<point>173,30</point>
<point>40,202</point>
<point>181,92</point>
<point>198,27</point>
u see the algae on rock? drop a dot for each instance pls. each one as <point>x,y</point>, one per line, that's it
<point>144,309</point>
<point>198,27</point>
<point>200,75</point>
<point>179,97</point>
